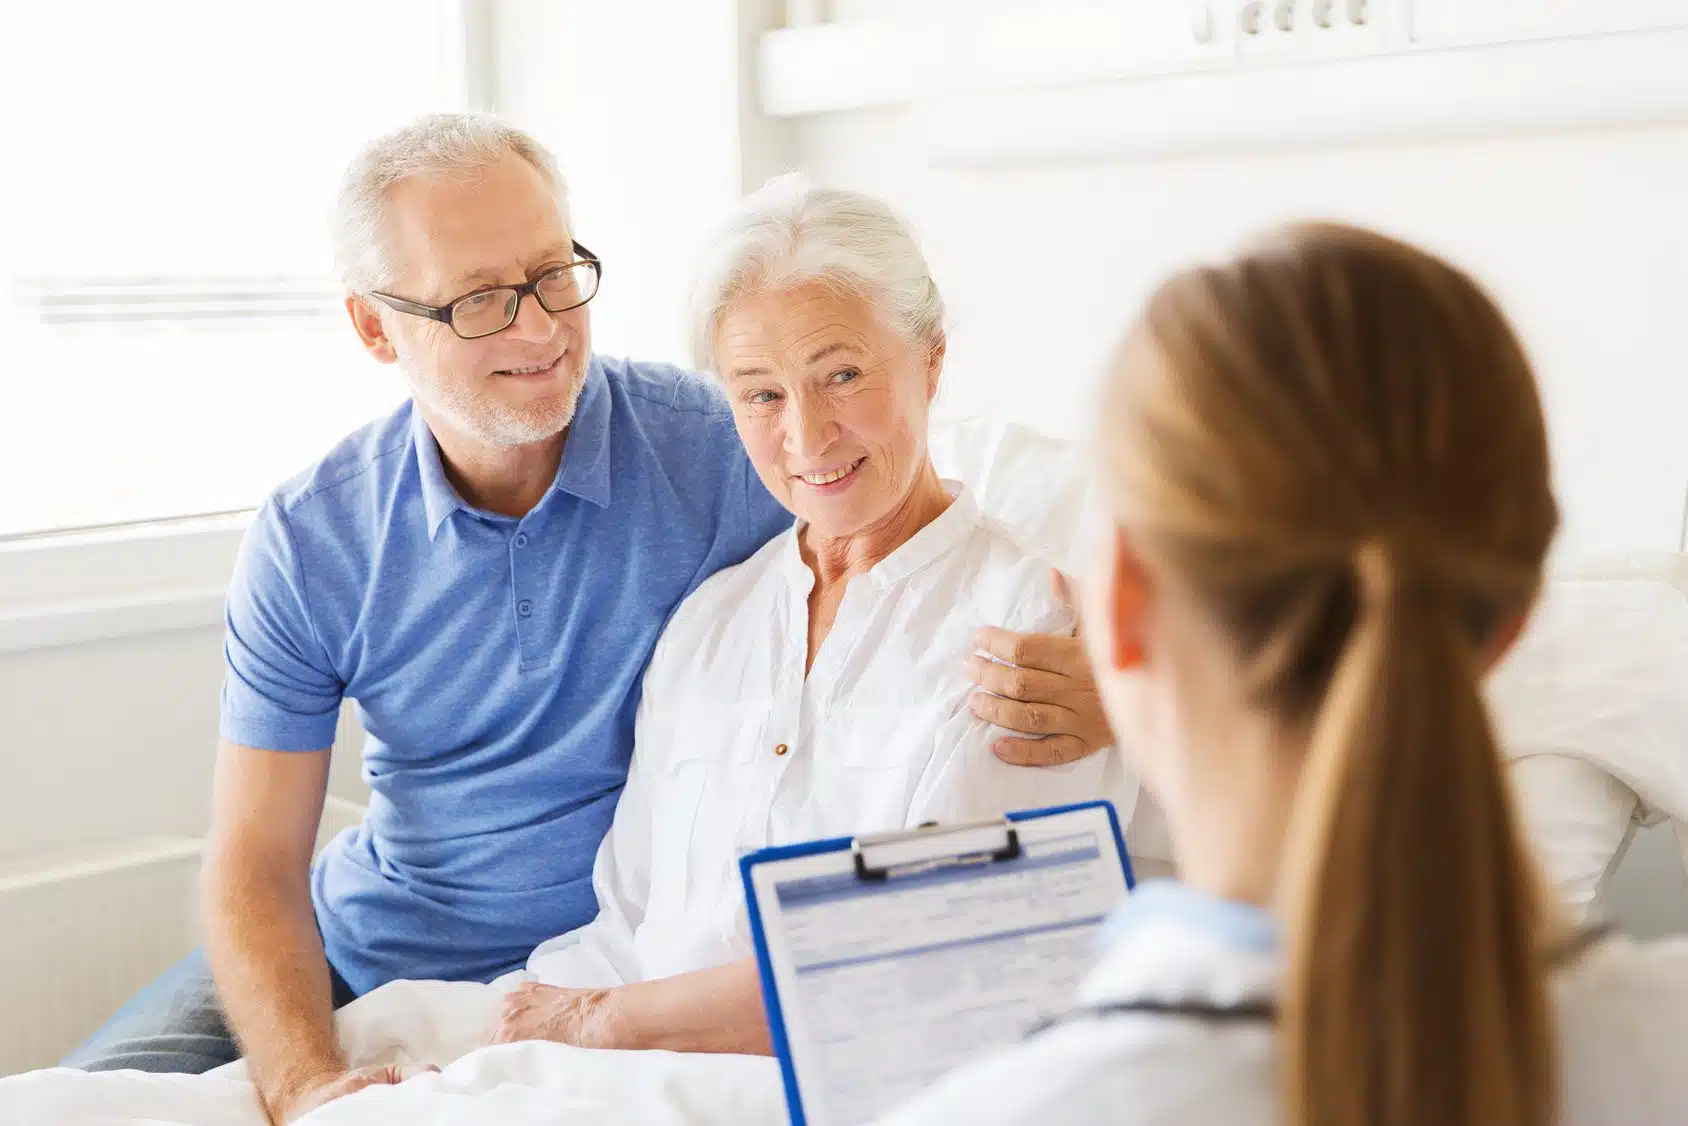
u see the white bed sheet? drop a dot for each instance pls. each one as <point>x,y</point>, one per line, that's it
<point>510,1085</point>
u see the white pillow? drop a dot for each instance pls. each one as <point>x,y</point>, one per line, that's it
<point>1037,485</point>
<point>1599,681</point>
<point>1579,819</point>
<point>1601,674</point>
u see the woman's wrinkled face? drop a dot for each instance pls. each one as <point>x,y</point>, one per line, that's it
<point>831,404</point>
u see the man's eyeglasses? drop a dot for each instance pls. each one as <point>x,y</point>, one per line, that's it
<point>491,310</point>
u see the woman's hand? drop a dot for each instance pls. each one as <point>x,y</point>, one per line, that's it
<point>1050,691</point>
<point>582,1017</point>
<point>713,1010</point>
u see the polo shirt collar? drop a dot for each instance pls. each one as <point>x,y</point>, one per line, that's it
<point>439,499</point>
<point>584,471</point>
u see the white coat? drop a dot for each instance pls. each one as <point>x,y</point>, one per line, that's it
<point>1622,1011</point>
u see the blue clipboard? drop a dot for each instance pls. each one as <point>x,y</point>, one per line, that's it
<point>748,863</point>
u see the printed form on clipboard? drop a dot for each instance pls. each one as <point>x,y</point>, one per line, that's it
<point>889,960</point>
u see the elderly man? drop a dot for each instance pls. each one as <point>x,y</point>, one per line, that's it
<point>485,573</point>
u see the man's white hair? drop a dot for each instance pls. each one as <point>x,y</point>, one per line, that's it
<point>789,233</point>
<point>437,144</point>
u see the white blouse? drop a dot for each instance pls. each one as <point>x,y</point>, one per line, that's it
<point>736,749</point>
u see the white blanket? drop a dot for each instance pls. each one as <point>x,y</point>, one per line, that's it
<point>512,1085</point>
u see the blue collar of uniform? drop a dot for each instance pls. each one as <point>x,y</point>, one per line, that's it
<point>1240,925</point>
<point>584,471</point>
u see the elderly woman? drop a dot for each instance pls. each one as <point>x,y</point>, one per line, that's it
<point>821,687</point>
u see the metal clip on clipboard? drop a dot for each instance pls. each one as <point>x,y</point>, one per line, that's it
<point>1009,850</point>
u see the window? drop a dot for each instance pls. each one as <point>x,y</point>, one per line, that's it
<point>173,338</point>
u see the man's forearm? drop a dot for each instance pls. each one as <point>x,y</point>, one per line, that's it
<point>713,1010</point>
<point>272,978</point>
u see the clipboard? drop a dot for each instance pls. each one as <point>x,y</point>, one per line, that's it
<point>886,960</point>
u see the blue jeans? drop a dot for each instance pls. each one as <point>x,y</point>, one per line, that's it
<point>173,1025</point>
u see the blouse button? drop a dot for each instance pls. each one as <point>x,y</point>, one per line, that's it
<point>781,749</point>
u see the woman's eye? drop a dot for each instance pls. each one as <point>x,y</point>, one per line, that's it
<point>848,375</point>
<point>762,398</point>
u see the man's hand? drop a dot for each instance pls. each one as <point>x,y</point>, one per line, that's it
<point>1050,691</point>
<point>260,929</point>
<point>333,1085</point>
<point>582,1017</point>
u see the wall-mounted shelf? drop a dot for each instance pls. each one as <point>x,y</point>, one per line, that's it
<point>1607,81</point>
<point>1085,79</point>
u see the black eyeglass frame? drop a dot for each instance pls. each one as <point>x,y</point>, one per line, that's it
<point>444,314</point>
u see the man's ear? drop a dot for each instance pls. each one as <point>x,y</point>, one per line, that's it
<point>1128,592</point>
<point>935,367</point>
<point>370,330</point>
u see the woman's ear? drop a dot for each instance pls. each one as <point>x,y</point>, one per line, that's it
<point>1504,639</point>
<point>1128,593</point>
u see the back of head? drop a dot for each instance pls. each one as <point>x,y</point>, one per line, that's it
<point>1335,442</point>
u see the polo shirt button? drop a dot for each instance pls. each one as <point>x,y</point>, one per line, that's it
<point>524,608</point>
<point>521,539</point>
<point>781,749</point>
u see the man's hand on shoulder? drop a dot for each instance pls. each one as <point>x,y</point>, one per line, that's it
<point>1041,685</point>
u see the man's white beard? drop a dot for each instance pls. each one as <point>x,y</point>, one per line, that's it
<point>494,422</point>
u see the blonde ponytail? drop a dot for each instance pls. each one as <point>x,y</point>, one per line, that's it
<point>1415,993</point>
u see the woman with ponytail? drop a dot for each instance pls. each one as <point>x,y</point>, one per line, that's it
<point>1331,502</point>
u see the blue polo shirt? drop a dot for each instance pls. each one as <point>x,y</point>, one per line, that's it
<point>495,662</point>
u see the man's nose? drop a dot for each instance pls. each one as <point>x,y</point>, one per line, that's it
<point>532,321</point>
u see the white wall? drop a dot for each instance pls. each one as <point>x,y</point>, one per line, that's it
<point>1581,236</point>
<point>85,728</point>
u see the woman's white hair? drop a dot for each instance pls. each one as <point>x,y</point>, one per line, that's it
<point>437,144</point>
<point>789,233</point>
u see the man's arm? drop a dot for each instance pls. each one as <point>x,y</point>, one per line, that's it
<point>261,935</point>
